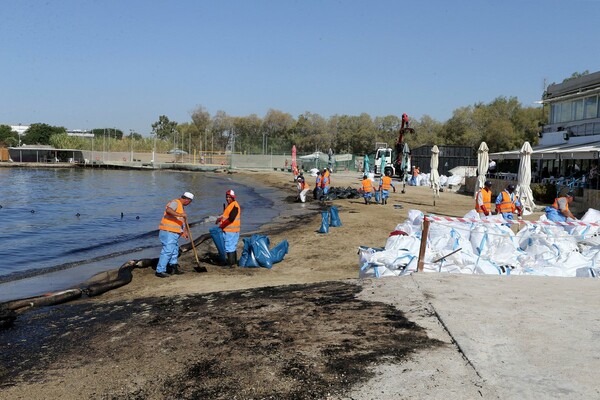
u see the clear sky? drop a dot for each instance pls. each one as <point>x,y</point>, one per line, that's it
<point>87,64</point>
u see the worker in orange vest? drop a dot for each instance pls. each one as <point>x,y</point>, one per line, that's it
<point>483,200</point>
<point>367,188</point>
<point>172,226</point>
<point>559,211</point>
<point>384,187</point>
<point>507,203</point>
<point>230,223</point>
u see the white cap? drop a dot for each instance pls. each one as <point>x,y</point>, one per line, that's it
<point>188,195</point>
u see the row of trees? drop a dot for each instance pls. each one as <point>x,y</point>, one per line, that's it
<point>504,124</point>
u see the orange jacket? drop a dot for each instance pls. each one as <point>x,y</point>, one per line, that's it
<point>506,206</point>
<point>235,225</point>
<point>486,196</point>
<point>555,204</point>
<point>170,223</point>
<point>325,179</point>
<point>386,182</point>
<point>367,185</point>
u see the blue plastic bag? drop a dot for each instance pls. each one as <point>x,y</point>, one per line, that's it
<point>256,252</point>
<point>217,237</point>
<point>279,251</point>
<point>247,259</point>
<point>324,222</point>
<point>377,196</point>
<point>260,248</point>
<point>335,217</point>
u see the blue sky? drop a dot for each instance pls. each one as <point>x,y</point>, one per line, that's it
<point>121,63</point>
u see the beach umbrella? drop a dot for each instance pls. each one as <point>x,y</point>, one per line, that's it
<point>405,165</point>
<point>434,176</point>
<point>366,164</point>
<point>483,162</point>
<point>524,179</point>
<point>294,165</point>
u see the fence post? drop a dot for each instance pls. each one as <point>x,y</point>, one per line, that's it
<point>424,234</point>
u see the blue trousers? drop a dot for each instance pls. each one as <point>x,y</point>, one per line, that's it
<point>385,194</point>
<point>170,249</point>
<point>231,241</point>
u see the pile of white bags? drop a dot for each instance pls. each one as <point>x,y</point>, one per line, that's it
<point>489,247</point>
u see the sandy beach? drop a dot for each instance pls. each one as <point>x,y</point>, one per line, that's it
<point>309,328</point>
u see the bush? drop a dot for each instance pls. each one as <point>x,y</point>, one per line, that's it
<point>544,193</point>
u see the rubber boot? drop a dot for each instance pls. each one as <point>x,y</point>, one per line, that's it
<point>231,259</point>
<point>176,269</point>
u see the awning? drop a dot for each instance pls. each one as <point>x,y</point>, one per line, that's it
<point>566,151</point>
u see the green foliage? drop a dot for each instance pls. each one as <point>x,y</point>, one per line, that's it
<point>108,133</point>
<point>576,75</point>
<point>40,133</point>
<point>544,193</point>
<point>164,128</point>
<point>8,138</point>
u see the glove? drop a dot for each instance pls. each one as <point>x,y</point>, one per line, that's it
<point>497,210</point>
<point>218,220</point>
<point>519,211</point>
<point>485,211</point>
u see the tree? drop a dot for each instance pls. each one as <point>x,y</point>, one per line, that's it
<point>8,137</point>
<point>164,129</point>
<point>113,133</point>
<point>40,133</point>
<point>275,129</point>
<point>310,133</point>
<point>248,134</point>
<point>201,121</point>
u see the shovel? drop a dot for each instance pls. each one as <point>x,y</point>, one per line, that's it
<point>199,268</point>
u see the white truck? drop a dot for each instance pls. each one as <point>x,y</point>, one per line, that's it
<point>387,154</point>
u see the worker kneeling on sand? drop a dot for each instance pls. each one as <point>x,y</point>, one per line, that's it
<point>559,210</point>
<point>384,186</point>
<point>230,223</point>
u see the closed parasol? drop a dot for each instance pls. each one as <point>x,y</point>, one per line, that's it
<point>483,161</point>
<point>524,179</point>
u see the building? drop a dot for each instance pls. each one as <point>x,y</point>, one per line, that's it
<point>570,142</point>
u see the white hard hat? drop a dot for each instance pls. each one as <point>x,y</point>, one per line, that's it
<point>188,195</point>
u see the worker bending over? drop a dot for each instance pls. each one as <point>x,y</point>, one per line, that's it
<point>559,210</point>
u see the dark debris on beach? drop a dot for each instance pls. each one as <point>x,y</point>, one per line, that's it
<point>287,342</point>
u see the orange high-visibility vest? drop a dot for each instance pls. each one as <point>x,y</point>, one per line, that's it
<point>367,186</point>
<point>170,223</point>
<point>235,225</point>
<point>325,179</point>
<point>386,182</point>
<point>555,204</point>
<point>507,205</point>
<point>486,196</point>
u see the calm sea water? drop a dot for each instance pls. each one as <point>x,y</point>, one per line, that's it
<point>52,218</point>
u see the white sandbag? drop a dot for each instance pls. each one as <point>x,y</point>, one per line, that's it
<point>486,267</point>
<point>376,271</point>
<point>591,215</point>
<point>399,242</point>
